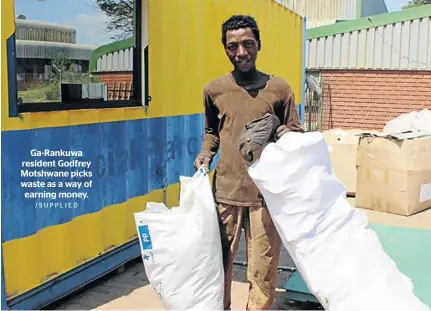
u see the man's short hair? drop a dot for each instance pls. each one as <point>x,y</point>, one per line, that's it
<point>240,21</point>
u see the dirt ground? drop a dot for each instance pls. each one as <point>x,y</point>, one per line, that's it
<point>130,290</point>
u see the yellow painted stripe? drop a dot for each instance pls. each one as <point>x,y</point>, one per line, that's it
<point>33,260</point>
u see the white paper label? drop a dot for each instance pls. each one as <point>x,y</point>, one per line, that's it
<point>425,194</point>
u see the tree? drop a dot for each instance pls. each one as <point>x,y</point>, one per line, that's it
<point>415,3</point>
<point>120,17</point>
<point>66,71</point>
<point>61,61</point>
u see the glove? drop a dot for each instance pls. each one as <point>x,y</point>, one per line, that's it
<point>202,160</point>
<point>256,135</point>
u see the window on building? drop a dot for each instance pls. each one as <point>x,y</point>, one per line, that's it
<point>89,53</point>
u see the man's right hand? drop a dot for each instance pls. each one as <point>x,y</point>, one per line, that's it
<point>281,130</point>
<point>202,160</point>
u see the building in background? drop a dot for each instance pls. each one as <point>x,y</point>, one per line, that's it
<point>371,69</point>
<point>113,64</point>
<point>326,12</point>
<point>38,43</point>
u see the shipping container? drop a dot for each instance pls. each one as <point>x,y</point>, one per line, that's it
<point>137,148</point>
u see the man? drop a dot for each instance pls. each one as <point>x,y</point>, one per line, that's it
<point>230,102</point>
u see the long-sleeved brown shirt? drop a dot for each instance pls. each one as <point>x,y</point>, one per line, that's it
<point>228,107</point>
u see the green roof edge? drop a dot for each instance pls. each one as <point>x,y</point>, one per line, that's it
<point>364,23</point>
<point>108,48</point>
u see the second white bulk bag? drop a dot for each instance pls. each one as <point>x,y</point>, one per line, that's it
<point>339,257</point>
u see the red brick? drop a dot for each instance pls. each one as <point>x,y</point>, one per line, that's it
<point>368,99</point>
<point>112,77</point>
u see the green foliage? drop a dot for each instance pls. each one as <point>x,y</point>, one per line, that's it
<point>416,3</point>
<point>52,92</point>
<point>120,17</point>
<point>67,75</point>
<point>96,79</point>
<point>47,92</point>
<point>61,61</point>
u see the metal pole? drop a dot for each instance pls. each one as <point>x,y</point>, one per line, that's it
<point>322,106</point>
<point>60,71</point>
<point>310,108</point>
<point>281,268</point>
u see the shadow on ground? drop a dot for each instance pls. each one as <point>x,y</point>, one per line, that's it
<point>114,285</point>
<point>132,279</point>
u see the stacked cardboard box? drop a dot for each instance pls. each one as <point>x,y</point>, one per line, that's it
<point>384,173</point>
<point>394,173</point>
<point>343,145</point>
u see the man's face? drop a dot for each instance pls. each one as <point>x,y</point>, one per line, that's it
<point>241,48</point>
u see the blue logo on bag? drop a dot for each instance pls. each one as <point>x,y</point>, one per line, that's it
<point>144,233</point>
<point>202,171</point>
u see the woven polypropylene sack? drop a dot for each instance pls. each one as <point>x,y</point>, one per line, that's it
<point>339,257</point>
<point>181,248</point>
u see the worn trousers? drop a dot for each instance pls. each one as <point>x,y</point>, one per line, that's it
<point>262,249</point>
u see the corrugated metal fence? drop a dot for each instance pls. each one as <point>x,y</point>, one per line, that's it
<point>349,9</point>
<point>322,12</point>
<point>399,46</point>
<point>121,60</point>
<point>49,50</point>
<point>316,9</point>
<point>43,31</point>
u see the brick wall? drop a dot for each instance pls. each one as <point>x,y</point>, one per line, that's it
<point>368,99</point>
<point>122,81</point>
<point>114,77</point>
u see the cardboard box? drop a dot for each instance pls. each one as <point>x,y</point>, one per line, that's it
<point>343,145</point>
<point>421,220</point>
<point>394,173</point>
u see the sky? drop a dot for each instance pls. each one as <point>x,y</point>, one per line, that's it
<point>81,14</point>
<point>395,5</point>
<point>89,21</point>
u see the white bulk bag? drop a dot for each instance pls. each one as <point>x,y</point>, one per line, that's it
<point>181,248</point>
<point>339,257</point>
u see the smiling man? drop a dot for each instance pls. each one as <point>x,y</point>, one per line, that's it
<point>230,102</point>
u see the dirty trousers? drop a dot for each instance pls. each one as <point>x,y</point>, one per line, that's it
<point>262,249</point>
